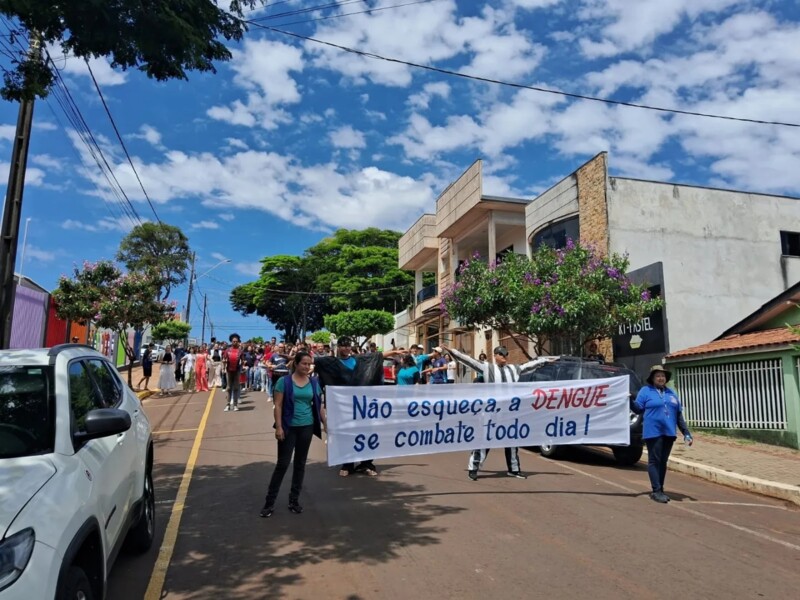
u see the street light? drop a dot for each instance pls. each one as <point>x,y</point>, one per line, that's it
<point>222,262</point>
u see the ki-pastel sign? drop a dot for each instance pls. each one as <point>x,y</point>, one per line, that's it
<point>386,421</point>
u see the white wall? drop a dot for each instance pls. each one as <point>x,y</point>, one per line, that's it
<point>721,250</point>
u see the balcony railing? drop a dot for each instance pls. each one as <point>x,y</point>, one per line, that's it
<point>427,293</point>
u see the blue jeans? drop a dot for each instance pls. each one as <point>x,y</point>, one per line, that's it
<point>658,450</point>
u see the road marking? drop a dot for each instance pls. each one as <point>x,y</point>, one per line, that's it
<point>752,532</point>
<point>159,575</point>
<point>173,431</point>
<point>749,504</point>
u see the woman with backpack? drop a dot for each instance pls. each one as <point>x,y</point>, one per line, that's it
<point>299,415</point>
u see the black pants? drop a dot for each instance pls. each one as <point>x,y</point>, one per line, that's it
<point>297,441</point>
<point>658,450</point>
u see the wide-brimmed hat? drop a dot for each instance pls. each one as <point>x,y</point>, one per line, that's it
<point>655,369</point>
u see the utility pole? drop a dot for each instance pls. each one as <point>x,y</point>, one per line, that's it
<point>191,289</point>
<point>9,229</point>
<point>205,306</point>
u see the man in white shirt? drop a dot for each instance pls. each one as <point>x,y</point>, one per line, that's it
<point>498,372</point>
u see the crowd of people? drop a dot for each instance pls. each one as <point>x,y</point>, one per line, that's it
<point>294,376</point>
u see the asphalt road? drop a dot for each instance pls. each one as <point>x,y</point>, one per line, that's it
<point>578,528</point>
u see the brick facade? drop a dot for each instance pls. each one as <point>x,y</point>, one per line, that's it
<point>592,183</point>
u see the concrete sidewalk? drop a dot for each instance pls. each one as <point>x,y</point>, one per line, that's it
<point>768,470</point>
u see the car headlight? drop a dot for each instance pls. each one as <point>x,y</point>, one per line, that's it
<point>15,552</point>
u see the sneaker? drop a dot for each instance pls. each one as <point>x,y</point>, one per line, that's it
<point>473,475</point>
<point>516,474</point>
<point>235,407</point>
<point>227,407</point>
<point>295,507</point>
<point>659,497</point>
<point>266,512</point>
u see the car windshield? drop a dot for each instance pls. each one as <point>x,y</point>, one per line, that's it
<point>27,420</point>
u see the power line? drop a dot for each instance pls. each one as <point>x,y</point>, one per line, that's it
<point>532,88</point>
<point>359,12</point>
<point>75,116</point>
<point>121,142</point>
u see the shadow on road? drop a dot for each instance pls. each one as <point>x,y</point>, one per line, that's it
<point>226,550</point>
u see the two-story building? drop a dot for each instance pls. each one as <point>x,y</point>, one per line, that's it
<point>713,255</point>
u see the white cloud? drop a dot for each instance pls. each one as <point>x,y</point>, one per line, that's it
<point>429,91</point>
<point>47,162</point>
<point>149,134</point>
<point>37,254</point>
<point>219,256</point>
<point>263,70</point>
<point>33,176</point>
<point>205,225</point>
<point>236,144</point>
<point>105,75</point>
<point>347,137</point>
<point>45,125</point>
<point>252,269</point>
<point>106,224</point>
<point>632,25</point>
<point>226,217</point>
<point>425,34</point>
<point>7,132</point>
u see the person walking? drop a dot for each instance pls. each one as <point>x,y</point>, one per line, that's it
<point>187,368</point>
<point>663,413</point>
<point>166,373</point>
<point>232,362</point>
<point>215,367</point>
<point>201,369</point>
<point>147,367</point>
<point>178,354</point>
<point>498,372</point>
<point>299,415</point>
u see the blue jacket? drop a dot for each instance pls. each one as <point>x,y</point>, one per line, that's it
<point>662,410</point>
<point>287,409</point>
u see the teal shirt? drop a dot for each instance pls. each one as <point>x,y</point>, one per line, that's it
<point>303,403</point>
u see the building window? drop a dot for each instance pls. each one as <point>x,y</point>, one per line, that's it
<point>556,235</point>
<point>790,243</point>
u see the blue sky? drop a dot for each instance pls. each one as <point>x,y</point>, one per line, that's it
<point>293,139</point>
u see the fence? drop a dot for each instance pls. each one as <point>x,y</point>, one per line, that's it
<point>742,395</point>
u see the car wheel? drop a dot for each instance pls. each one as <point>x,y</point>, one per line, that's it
<point>550,450</point>
<point>627,455</point>
<point>142,533</point>
<point>76,585</point>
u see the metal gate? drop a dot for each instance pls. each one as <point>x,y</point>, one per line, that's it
<point>742,395</point>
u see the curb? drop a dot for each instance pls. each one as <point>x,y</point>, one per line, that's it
<point>773,489</point>
<point>144,395</point>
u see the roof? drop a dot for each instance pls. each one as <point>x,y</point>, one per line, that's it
<point>767,339</point>
<point>769,310</point>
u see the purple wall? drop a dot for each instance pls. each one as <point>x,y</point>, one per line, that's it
<point>27,325</point>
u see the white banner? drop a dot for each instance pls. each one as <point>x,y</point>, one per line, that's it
<point>385,421</point>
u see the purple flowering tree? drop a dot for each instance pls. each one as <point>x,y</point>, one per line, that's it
<point>572,294</point>
<point>100,293</point>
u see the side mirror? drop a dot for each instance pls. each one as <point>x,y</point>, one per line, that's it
<point>103,422</point>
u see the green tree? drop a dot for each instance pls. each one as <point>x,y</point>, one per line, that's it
<point>101,293</point>
<point>157,247</point>
<point>285,293</point>
<point>321,337</point>
<point>571,294</point>
<point>171,331</point>
<point>360,323</point>
<point>162,38</point>
<point>359,268</point>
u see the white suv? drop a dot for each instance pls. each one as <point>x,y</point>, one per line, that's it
<point>76,459</point>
